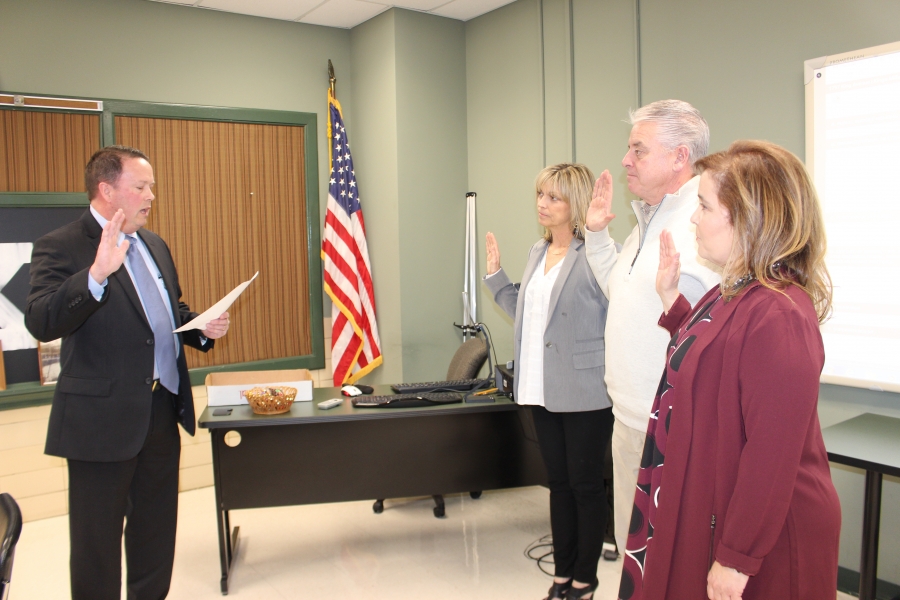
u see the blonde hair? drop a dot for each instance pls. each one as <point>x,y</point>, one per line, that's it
<point>779,232</point>
<point>572,183</point>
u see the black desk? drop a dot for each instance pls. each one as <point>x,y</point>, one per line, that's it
<point>310,456</point>
<point>870,442</point>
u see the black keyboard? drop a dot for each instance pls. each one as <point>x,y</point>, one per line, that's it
<point>406,400</point>
<point>458,385</point>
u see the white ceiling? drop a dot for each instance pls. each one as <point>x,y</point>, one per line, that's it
<point>343,13</point>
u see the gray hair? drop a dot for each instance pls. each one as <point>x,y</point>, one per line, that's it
<point>678,124</point>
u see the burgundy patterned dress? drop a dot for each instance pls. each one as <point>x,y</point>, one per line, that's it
<point>734,468</point>
<point>646,499</point>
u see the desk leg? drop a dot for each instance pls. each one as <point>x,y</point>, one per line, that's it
<point>224,549</point>
<point>228,539</point>
<point>228,546</point>
<point>868,563</point>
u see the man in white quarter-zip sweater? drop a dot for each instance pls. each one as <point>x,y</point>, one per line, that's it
<point>666,138</point>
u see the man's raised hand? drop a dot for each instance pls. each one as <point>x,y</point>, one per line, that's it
<point>110,256</point>
<point>600,211</point>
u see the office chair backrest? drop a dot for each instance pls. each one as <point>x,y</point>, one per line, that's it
<point>10,528</point>
<point>468,360</point>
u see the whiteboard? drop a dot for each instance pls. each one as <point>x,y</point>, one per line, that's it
<point>853,154</point>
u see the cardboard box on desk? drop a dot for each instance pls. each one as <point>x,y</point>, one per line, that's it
<point>225,389</point>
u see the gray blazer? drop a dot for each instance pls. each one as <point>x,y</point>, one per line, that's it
<point>574,347</point>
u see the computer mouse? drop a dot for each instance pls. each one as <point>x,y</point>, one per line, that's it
<point>351,390</point>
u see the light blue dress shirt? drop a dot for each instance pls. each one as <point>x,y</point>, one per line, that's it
<point>98,289</point>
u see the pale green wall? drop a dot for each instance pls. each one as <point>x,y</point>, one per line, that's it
<point>741,63</point>
<point>410,120</point>
<point>558,92</point>
<point>433,177</point>
<point>605,88</point>
<point>505,141</point>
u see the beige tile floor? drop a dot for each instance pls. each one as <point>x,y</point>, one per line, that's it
<point>338,551</point>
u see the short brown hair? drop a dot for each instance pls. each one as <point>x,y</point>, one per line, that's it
<point>779,232</point>
<point>574,183</point>
<point>106,166</point>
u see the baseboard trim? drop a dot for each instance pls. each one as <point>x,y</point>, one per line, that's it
<point>848,582</point>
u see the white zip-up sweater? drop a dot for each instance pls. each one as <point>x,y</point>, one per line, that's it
<point>635,344</point>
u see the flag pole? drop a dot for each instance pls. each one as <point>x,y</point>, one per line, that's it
<point>331,78</point>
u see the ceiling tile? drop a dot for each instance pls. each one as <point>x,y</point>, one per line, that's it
<point>273,9</point>
<point>343,13</point>
<point>469,9</point>
<point>424,5</point>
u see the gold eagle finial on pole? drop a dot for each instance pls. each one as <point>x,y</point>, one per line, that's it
<point>331,78</point>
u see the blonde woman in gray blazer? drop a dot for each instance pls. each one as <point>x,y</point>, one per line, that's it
<point>560,317</point>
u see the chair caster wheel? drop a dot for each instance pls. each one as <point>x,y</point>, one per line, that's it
<point>475,495</point>
<point>439,512</point>
<point>378,507</point>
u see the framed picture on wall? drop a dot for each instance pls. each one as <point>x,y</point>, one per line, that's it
<point>20,226</point>
<point>48,354</point>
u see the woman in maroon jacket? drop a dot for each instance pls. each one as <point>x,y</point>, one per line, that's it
<point>734,497</point>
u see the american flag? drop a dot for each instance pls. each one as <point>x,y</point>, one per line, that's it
<point>355,347</point>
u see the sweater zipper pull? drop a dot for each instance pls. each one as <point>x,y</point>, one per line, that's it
<point>631,268</point>
<point>712,539</point>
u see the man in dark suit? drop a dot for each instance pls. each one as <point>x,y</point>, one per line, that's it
<point>110,290</point>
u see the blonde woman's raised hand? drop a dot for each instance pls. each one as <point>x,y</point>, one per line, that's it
<point>493,253</point>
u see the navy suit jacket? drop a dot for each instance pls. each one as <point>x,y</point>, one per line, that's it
<point>101,406</point>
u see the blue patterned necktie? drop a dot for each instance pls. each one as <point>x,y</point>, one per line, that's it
<point>158,314</point>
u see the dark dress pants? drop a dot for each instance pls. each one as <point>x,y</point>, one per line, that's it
<point>142,492</point>
<point>573,446</point>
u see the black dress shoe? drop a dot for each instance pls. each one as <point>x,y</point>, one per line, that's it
<point>559,590</point>
<point>582,593</point>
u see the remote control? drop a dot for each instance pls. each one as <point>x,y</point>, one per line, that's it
<point>326,404</point>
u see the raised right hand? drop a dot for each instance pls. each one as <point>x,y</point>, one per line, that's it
<point>493,253</point>
<point>600,211</point>
<point>110,256</point>
<point>669,272</point>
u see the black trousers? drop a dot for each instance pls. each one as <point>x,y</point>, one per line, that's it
<point>142,493</point>
<point>573,446</point>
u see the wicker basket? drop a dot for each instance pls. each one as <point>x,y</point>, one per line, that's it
<point>271,400</point>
